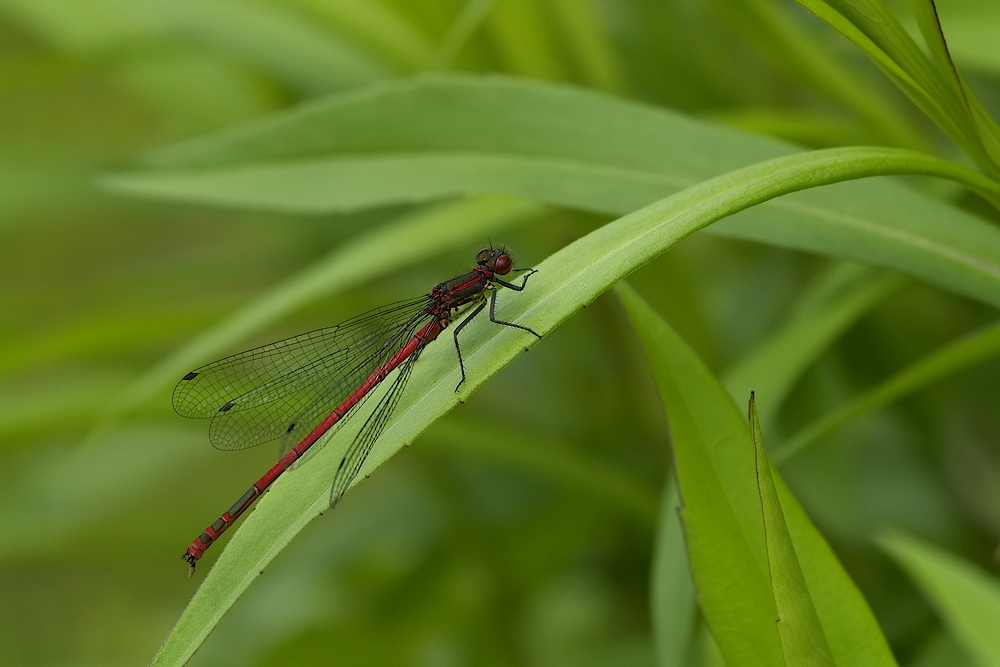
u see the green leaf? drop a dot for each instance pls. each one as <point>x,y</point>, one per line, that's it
<point>967,598</point>
<point>725,538</point>
<point>567,281</point>
<point>966,352</point>
<point>987,128</point>
<point>930,29</point>
<point>723,525</point>
<point>802,639</point>
<point>439,136</point>
<point>936,88</point>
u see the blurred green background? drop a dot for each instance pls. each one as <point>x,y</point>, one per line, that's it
<point>533,548</point>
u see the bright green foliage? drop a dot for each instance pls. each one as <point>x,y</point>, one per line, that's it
<point>182,179</point>
<point>757,560</point>
<point>803,640</point>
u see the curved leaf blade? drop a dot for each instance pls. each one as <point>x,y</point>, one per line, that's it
<point>435,137</point>
<point>724,526</point>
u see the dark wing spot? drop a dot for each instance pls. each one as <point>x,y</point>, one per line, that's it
<point>226,407</point>
<point>190,376</point>
<point>291,427</point>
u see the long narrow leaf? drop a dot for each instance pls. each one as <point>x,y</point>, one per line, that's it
<point>725,531</point>
<point>571,148</point>
<point>724,536</point>
<point>871,27</point>
<point>803,641</point>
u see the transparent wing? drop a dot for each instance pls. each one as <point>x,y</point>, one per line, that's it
<point>257,395</point>
<point>317,410</point>
<point>363,442</point>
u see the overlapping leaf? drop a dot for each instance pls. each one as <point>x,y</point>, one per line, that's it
<point>442,136</point>
<point>755,556</point>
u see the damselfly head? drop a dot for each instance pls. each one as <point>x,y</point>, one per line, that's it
<point>497,261</point>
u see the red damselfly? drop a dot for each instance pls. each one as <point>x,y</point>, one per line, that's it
<point>309,383</point>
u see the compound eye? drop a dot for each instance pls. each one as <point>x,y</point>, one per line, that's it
<point>503,264</point>
<point>484,255</point>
